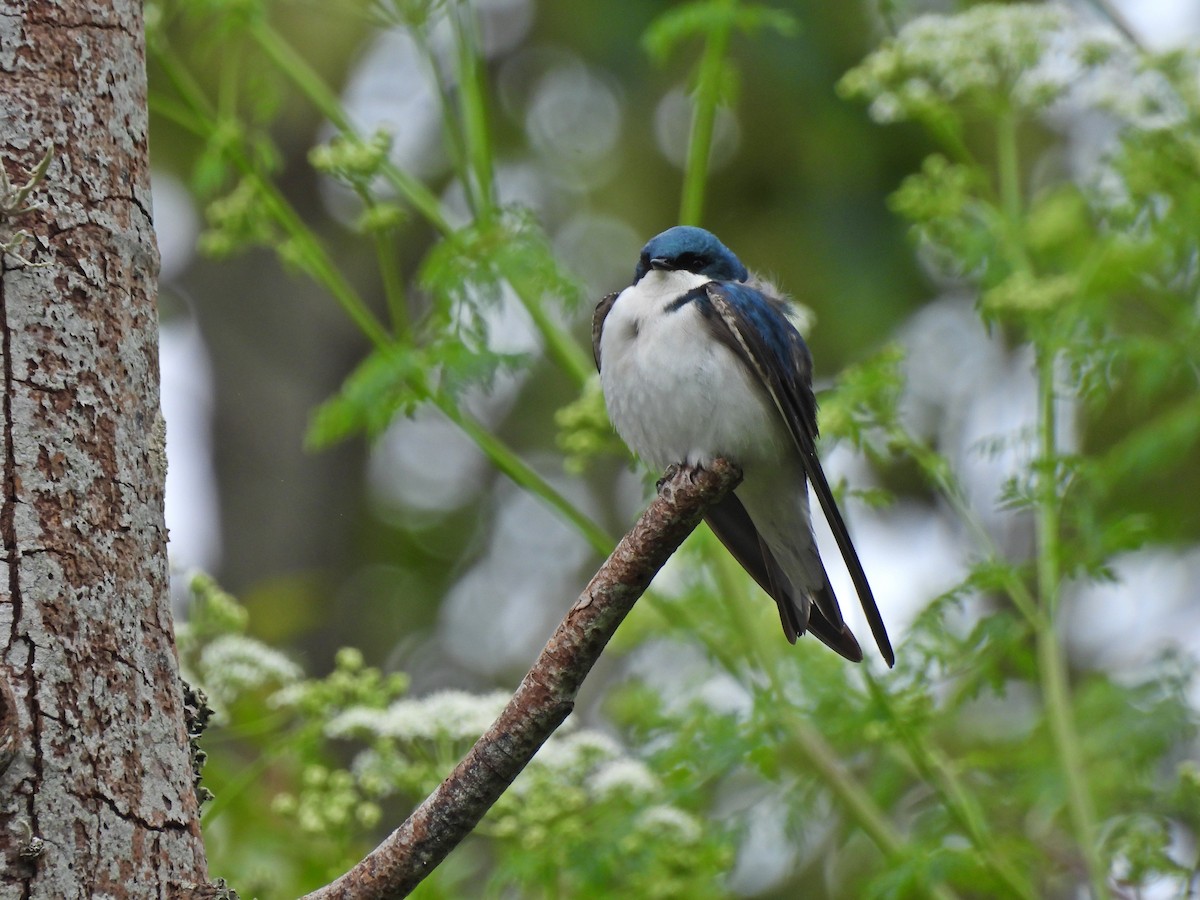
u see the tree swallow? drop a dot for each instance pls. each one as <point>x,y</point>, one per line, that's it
<point>698,360</point>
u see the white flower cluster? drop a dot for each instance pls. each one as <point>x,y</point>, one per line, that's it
<point>683,825</point>
<point>586,764</point>
<point>233,664</point>
<point>1023,57</point>
<point>445,715</point>
<point>988,51</point>
<point>625,776</point>
<point>577,753</point>
<point>1134,94</point>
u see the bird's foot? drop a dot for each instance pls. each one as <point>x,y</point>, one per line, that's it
<point>691,470</point>
<point>672,469</point>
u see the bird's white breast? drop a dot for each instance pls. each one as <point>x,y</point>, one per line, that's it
<point>674,393</point>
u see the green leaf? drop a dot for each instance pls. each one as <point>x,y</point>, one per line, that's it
<point>951,219</point>
<point>396,380</point>
<point>865,398</point>
<point>469,270</point>
<point>389,382</point>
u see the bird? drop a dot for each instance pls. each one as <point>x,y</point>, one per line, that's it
<point>699,359</point>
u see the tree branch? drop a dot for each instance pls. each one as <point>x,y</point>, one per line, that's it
<point>544,699</point>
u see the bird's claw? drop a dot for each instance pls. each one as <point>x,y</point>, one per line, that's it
<point>666,476</point>
<point>674,469</point>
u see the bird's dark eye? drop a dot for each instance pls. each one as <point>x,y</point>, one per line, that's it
<point>686,261</point>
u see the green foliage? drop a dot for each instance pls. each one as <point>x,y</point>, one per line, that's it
<point>865,399</point>
<point>584,432</point>
<point>1063,272</point>
<point>465,275</point>
<point>949,222</point>
<point>353,161</point>
<point>397,380</point>
<point>982,765</point>
<point>702,18</point>
<point>470,268</point>
<point>237,220</point>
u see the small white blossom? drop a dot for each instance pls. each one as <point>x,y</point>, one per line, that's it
<point>288,695</point>
<point>374,773</point>
<point>578,752</point>
<point>659,818</point>
<point>453,715</point>
<point>594,744</point>
<point>1138,97</point>
<point>622,776</point>
<point>234,663</point>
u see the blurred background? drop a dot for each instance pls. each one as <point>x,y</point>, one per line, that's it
<point>413,547</point>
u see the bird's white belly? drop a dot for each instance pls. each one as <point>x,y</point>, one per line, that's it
<point>677,395</point>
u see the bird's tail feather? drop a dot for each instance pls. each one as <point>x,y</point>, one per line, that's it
<point>799,611</point>
<point>837,637</point>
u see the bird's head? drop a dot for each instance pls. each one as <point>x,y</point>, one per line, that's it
<point>685,248</point>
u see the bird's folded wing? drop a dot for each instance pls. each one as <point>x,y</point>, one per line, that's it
<point>756,329</point>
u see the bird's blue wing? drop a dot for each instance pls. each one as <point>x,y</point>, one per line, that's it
<point>758,331</point>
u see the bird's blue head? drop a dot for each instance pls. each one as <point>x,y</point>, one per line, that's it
<point>689,249</point>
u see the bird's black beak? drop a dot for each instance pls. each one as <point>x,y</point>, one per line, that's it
<point>663,265</point>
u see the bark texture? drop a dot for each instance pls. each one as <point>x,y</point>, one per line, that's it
<point>545,697</point>
<point>96,795</point>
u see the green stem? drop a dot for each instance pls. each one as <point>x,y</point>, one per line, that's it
<point>704,117</point>
<point>1008,165</point>
<point>936,769</point>
<point>295,67</point>
<point>515,468</point>
<point>938,471</point>
<point>1052,667</point>
<point>1009,168</point>
<point>178,113</point>
<point>393,281</point>
<point>474,109</point>
<point>563,349</point>
<point>313,258</point>
<point>455,142</point>
<point>822,760</point>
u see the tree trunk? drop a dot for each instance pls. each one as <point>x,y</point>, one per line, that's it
<point>96,794</point>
